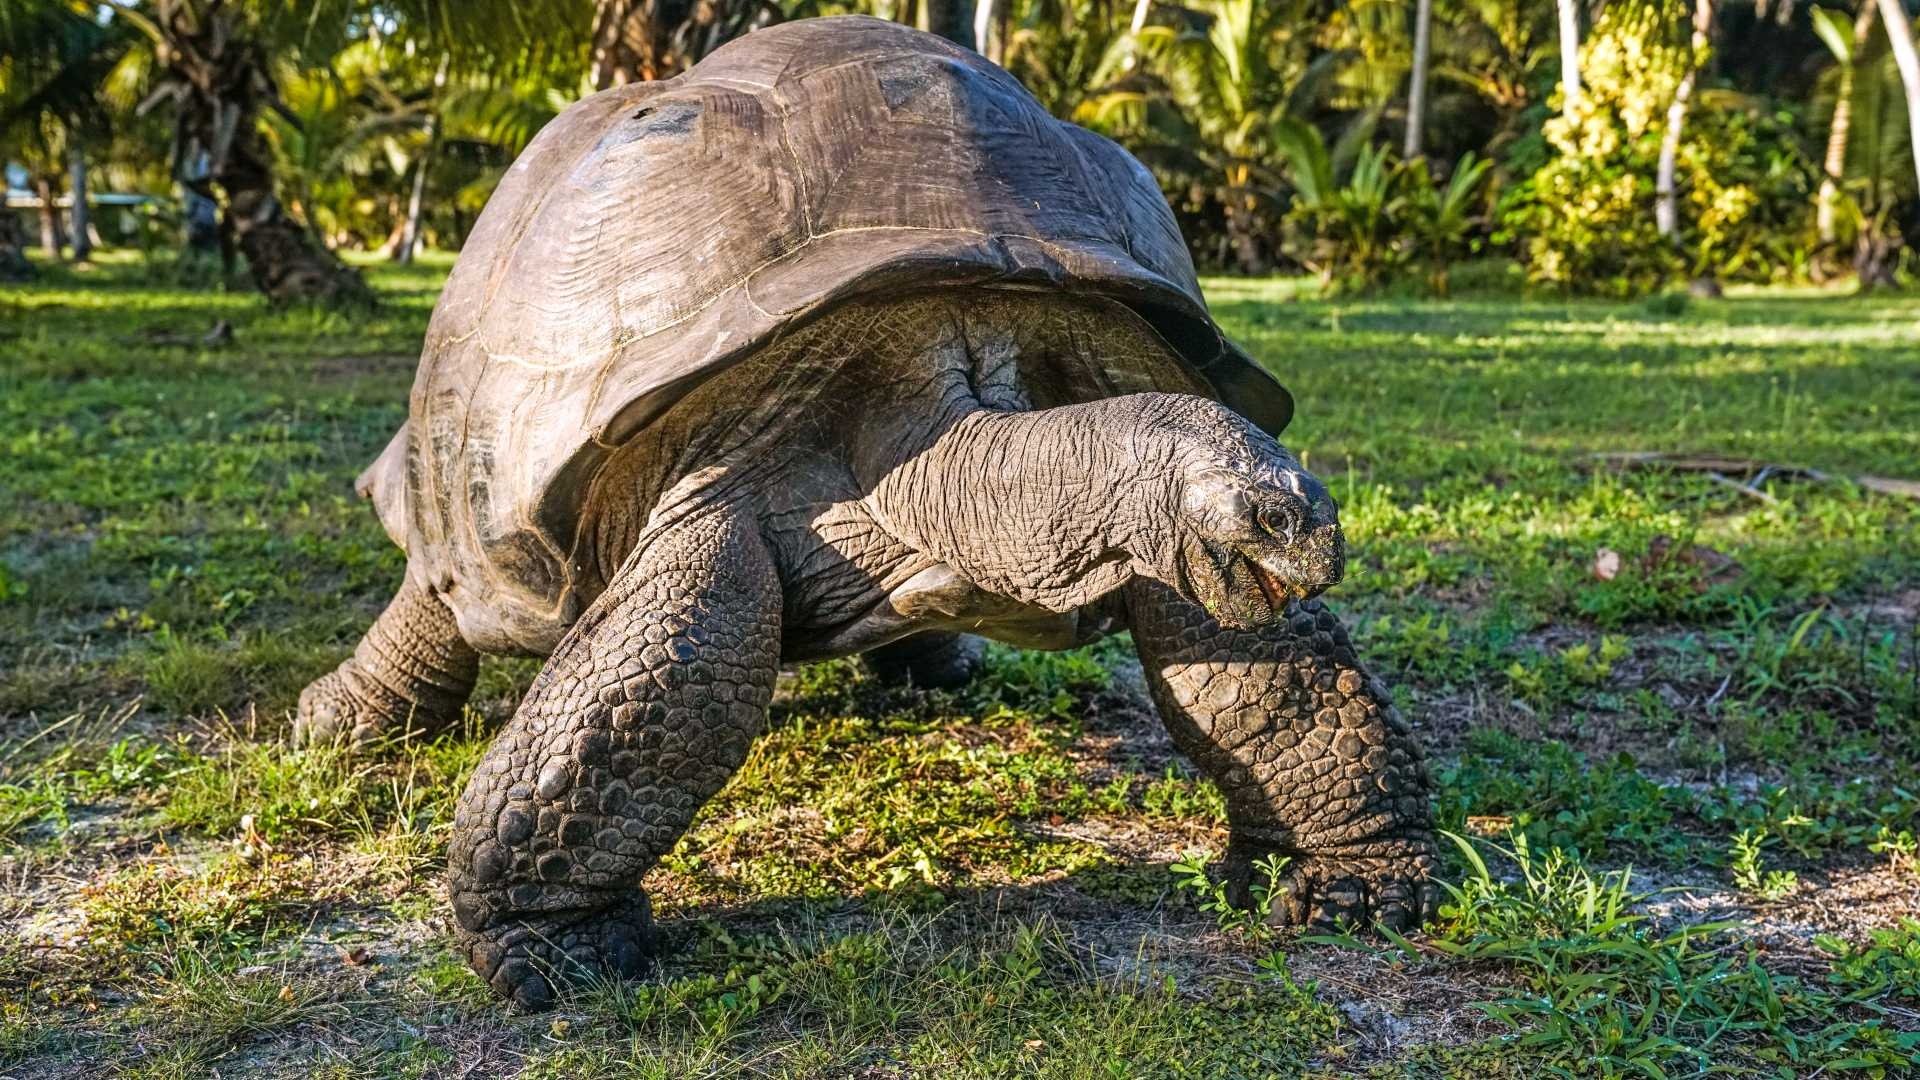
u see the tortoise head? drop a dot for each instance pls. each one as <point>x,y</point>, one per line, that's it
<point>1251,529</point>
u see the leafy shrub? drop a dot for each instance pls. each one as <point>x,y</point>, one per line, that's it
<point>1384,217</point>
<point>1584,220</point>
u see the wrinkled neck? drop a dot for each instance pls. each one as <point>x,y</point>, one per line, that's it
<point>1055,507</point>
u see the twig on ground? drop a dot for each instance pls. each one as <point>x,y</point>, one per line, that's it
<point>1722,469</point>
<point>1744,489</point>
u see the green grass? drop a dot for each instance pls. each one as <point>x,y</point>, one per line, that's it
<point>1008,880</point>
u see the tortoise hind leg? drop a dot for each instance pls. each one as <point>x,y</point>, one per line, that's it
<point>934,660</point>
<point>640,716</point>
<point>412,672</point>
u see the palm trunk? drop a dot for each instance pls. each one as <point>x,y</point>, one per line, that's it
<point>1417,88</point>
<point>49,218</point>
<point>410,237</point>
<point>983,28</point>
<point>640,40</point>
<point>220,78</point>
<point>1900,32</point>
<point>951,19</point>
<point>1140,9</point>
<point>1666,207</point>
<point>286,261</point>
<point>14,264</point>
<point>78,227</point>
<point>1569,57</point>
<point>1835,163</point>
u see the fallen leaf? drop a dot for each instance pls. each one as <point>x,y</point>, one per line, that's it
<point>1606,564</point>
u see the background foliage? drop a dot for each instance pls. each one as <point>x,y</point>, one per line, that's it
<point>1277,128</point>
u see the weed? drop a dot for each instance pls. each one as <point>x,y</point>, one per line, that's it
<point>1750,873</point>
<point>1899,847</point>
<point>1253,919</point>
<point>1607,992</point>
<point>1889,964</point>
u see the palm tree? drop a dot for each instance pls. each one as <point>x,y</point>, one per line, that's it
<point>1569,57</point>
<point>1499,51</point>
<point>1900,32</point>
<point>639,40</point>
<point>1417,81</point>
<point>1666,208</point>
<point>55,59</point>
<point>1238,72</point>
<point>1846,51</point>
<point>220,63</point>
<point>215,63</point>
<point>1073,54</point>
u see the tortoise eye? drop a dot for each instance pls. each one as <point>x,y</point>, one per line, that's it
<point>1278,521</point>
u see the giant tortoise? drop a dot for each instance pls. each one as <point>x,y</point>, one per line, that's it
<point>839,343</point>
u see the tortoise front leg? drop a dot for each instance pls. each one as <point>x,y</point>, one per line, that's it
<point>639,717</point>
<point>411,672</point>
<point>1315,762</point>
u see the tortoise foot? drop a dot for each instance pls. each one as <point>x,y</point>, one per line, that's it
<point>529,961</point>
<point>930,661</point>
<point>1386,882</point>
<point>345,707</point>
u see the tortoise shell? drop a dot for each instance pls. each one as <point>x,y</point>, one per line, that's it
<point>653,235</point>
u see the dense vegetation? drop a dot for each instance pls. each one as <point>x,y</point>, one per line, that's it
<point>1711,681</point>
<point>1611,147</point>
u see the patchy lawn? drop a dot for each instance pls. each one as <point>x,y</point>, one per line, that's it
<point>1710,678</point>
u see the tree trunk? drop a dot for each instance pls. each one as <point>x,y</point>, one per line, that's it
<point>14,264</point>
<point>220,79</point>
<point>983,28</point>
<point>951,19</point>
<point>1417,86</point>
<point>1666,207</point>
<point>410,238</point>
<point>1569,57</point>
<point>1140,8</point>
<point>1835,163</point>
<point>49,218</point>
<point>1900,33</point>
<point>79,228</point>
<point>640,40</point>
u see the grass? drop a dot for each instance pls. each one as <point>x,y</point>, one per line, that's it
<point>1677,720</point>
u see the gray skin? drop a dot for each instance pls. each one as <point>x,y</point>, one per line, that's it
<point>879,482</point>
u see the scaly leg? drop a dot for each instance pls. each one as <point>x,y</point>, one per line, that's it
<point>411,672</point>
<point>642,713</point>
<point>931,661</point>
<point>1315,763</point>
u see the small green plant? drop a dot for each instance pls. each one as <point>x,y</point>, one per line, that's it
<point>1210,894</point>
<point>1605,991</point>
<point>1176,795</point>
<point>1750,873</point>
<point>1546,680</point>
<point>1898,847</point>
<point>1889,964</point>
